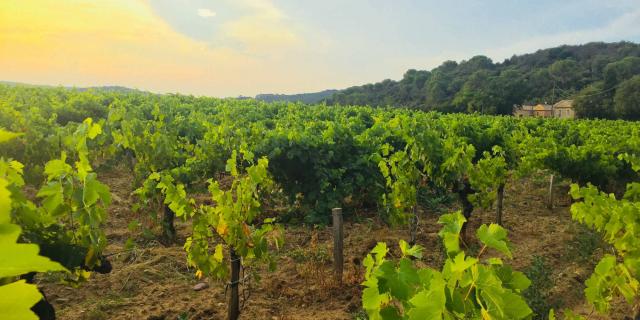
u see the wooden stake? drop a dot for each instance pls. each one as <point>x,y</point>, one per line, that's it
<point>550,196</point>
<point>467,207</point>
<point>338,258</point>
<point>234,299</point>
<point>499,204</point>
<point>414,226</point>
<point>168,228</point>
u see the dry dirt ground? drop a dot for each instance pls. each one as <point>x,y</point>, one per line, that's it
<point>154,282</point>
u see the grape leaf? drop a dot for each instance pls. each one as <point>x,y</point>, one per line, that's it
<point>429,303</point>
<point>7,135</point>
<point>494,236</point>
<point>17,299</point>
<point>413,251</point>
<point>5,202</point>
<point>24,257</point>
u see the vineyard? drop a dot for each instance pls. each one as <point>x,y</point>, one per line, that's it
<point>131,205</point>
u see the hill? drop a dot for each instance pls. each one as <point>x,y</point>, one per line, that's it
<point>313,97</point>
<point>96,88</point>
<point>15,84</point>
<point>109,89</point>
<point>589,73</point>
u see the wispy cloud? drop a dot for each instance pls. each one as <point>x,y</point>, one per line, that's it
<point>261,29</point>
<point>206,13</point>
<point>265,8</point>
<point>126,44</point>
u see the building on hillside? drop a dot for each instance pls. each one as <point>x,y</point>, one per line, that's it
<point>543,111</point>
<point>563,110</point>
<point>540,110</point>
<point>523,111</point>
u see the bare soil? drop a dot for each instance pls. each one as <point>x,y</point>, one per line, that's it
<point>154,282</point>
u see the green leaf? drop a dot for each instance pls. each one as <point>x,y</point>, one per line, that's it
<point>450,232</point>
<point>462,263</point>
<point>391,282</point>
<point>90,194</point>
<point>24,257</point>
<point>494,236</point>
<point>57,168</point>
<point>231,165</point>
<point>429,303</point>
<point>390,312</point>
<point>515,306</point>
<point>407,272</point>
<point>53,194</point>
<point>18,259</point>
<point>94,190</point>
<point>413,251</point>
<point>217,255</point>
<point>17,299</point>
<point>372,300</point>
<point>501,303</point>
<point>94,130</point>
<point>5,202</point>
<point>600,285</point>
<point>380,252</point>
<point>154,176</point>
<point>515,280</point>
<point>7,135</point>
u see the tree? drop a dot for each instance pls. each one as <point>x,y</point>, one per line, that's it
<point>437,89</point>
<point>593,102</point>
<point>490,94</point>
<point>627,99</point>
<point>540,85</point>
<point>510,88</point>
<point>619,71</point>
<point>475,64</point>
<point>480,85</point>
<point>475,95</point>
<point>566,73</point>
<point>597,66</point>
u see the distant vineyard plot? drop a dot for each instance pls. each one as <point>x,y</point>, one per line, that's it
<point>225,179</point>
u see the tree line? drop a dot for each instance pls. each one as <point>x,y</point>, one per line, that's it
<point>602,78</point>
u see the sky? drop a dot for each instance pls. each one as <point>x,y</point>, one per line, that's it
<point>229,48</point>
